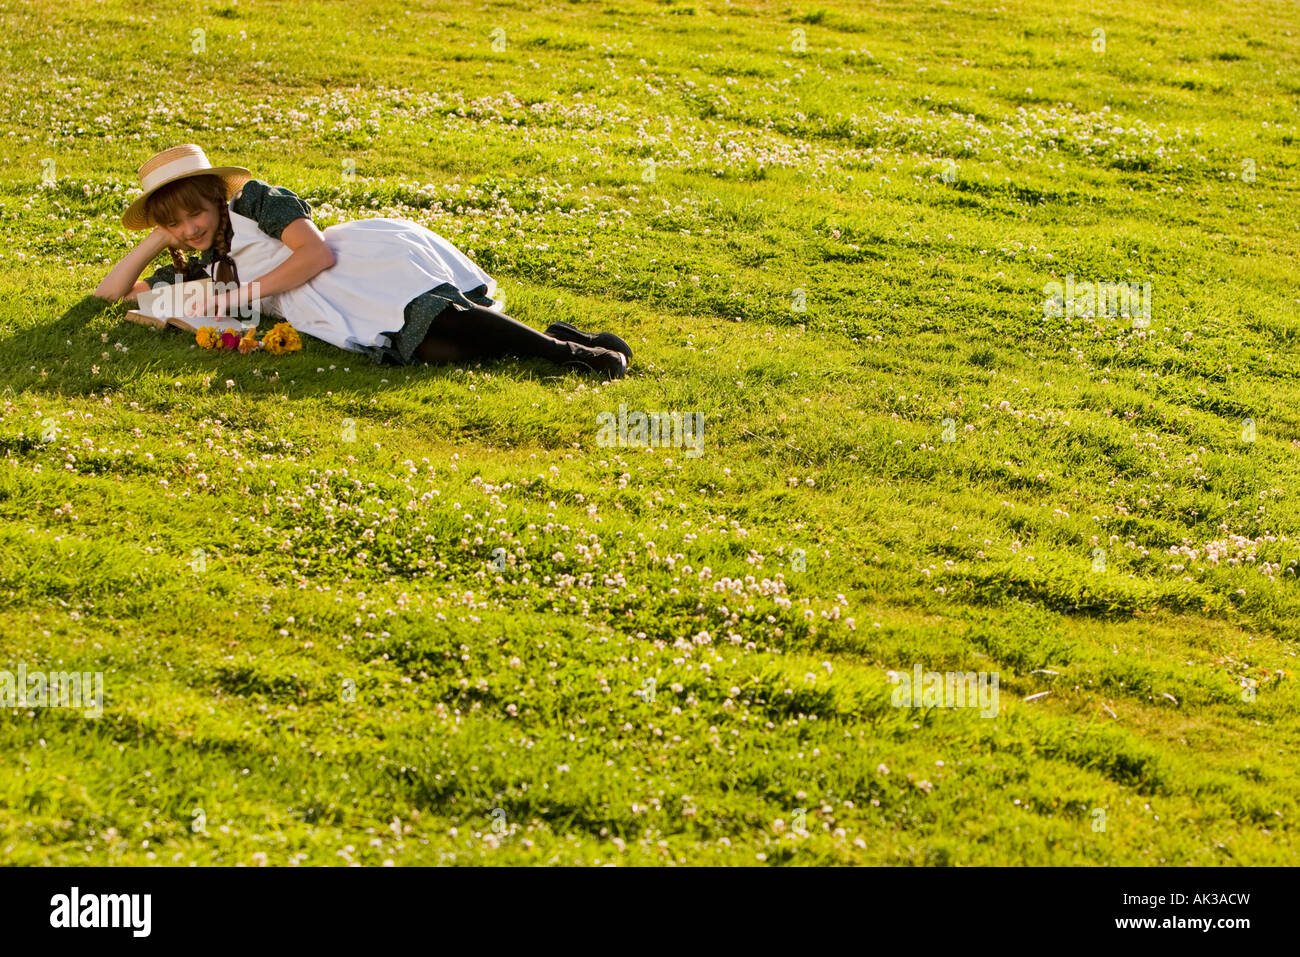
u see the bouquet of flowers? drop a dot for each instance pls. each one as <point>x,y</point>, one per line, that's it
<point>280,339</point>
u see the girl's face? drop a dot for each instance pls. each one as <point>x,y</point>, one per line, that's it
<point>195,229</point>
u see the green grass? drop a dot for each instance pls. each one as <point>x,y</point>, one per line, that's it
<point>344,674</point>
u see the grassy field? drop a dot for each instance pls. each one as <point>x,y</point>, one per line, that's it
<point>352,614</point>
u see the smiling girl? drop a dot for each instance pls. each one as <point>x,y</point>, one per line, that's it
<point>389,288</point>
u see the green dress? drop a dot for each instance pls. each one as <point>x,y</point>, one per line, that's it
<point>273,208</point>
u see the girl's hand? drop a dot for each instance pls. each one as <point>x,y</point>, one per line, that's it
<point>213,304</point>
<point>161,239</point>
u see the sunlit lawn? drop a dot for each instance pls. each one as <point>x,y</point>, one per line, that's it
<point>351,613</point>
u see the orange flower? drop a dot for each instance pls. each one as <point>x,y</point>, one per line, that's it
<point>207,337</point>
<point>249,343</point>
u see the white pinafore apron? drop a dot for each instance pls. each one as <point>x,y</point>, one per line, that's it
<point>380,266</point>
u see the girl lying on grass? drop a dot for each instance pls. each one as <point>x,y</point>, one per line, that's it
<point>389,288</point>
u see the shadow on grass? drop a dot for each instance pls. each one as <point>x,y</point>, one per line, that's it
<point>67,357</point>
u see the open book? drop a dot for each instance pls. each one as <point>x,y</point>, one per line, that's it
<point>166,305</point>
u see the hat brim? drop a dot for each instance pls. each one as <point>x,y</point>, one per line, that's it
<point>234,176</point>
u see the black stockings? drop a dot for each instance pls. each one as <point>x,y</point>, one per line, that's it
<point>478,333</point>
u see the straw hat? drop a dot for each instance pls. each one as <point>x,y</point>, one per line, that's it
<point>173,164</point>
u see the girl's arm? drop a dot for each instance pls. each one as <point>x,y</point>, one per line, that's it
<point>120,283</point>
<point>311,255</point>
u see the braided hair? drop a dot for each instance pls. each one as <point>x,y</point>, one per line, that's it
<point>194,192</point>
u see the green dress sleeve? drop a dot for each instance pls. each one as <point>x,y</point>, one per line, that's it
<point>271,207</point>
<point>167,274</point>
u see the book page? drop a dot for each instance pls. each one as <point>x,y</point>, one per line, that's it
<point>168,300</point>
<point>168,303</point>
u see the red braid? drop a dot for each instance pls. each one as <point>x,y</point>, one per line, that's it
<point>226,270</point>
<point>178,260</point>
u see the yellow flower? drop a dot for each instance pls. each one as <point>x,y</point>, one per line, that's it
<point>207,337</point>
<point>281,339</point>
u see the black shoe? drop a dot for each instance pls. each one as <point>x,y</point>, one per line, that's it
<point>595,359</point>
<point>604,340</point>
